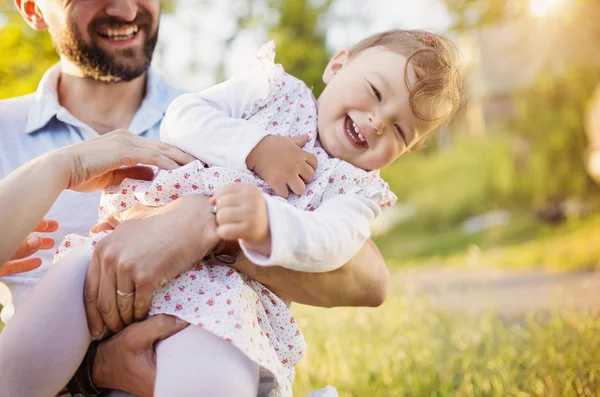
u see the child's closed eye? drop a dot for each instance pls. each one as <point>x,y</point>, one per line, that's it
<point>376,92</point>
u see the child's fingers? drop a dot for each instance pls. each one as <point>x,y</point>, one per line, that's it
<point>231,231</point>
<point>281,189</point>
<point>230,215</point>
<point>297,185</point>
<point>311,160</point>
<point>300,140</point>
<point>307,173</point>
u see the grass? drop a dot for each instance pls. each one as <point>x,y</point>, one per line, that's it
<point>405,348</point>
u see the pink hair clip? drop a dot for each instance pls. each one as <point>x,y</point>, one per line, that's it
<point>430,37</point>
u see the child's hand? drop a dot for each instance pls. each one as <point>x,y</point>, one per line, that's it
<point>242,215</point>
<point>281,162</point>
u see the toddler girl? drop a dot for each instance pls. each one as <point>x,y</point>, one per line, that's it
<point>305,208</point>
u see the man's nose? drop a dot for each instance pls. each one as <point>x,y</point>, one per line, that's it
<point>122,9</point>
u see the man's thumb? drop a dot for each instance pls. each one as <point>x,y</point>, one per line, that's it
<point>300,140</point>
<point>136,172</point>
<point>160,327</point>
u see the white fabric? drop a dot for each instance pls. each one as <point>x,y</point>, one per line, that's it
<point>195,362</point>
<point>319,241</point>
<point>209,124</point>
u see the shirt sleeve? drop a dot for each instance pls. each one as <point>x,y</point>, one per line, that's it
<point>318,241</point>
<point>209,124</point>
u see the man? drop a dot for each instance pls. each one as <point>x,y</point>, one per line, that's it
<point>104,83</point>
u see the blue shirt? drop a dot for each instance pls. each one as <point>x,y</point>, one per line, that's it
<point>34,124</point>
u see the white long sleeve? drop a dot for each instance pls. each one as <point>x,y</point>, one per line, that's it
<point>209,125</point>
<point>318,241</point>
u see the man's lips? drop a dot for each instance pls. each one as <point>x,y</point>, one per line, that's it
<point>118,33</point>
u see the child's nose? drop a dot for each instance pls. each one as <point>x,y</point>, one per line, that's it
<point>377,124</point>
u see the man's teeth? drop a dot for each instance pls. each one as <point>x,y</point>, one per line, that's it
<point>120,34</point>
<point>357,136</point>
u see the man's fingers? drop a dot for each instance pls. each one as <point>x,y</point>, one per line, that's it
<point>297,185</point>
<point>137,172</point>
<point>107,301</point>
<point>101,227</point>
<point>179,156</point>
<point>90,298</point>
<point>158,328</point>
<point>46,226</point>
<point>28,247</point>
<point>141,304</point>
<point>31,245</point>
<point>109,223</point>
<point>300,140</point>
<point>19,266</point>
<point>125,303</point>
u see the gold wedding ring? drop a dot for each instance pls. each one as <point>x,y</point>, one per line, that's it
<point>125,294</point>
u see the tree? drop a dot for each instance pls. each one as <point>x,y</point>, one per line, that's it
<point>26,54</point>
<point>300,39</point>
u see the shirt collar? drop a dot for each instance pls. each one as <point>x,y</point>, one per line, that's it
<point>159,95</point>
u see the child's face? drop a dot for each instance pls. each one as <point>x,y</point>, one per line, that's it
<point>364,113</point>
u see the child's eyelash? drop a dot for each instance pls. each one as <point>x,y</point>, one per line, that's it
<point>376,92</point>
<point>399,130</point>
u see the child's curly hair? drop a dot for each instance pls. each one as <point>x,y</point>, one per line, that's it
<point>435,97</point>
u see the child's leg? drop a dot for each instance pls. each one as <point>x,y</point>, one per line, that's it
<point>44,342</point>
<point>196,363</point>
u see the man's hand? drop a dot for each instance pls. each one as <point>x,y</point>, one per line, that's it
<point>242,215</point>
<point>127,360</point>
<point>21,261</point>
<point>281,162</point>
<point>143,254</point>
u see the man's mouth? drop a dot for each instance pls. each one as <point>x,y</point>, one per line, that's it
<point>121,33</point>
<point>354,133</point>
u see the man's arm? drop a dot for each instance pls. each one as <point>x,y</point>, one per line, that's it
<point>362,281</point>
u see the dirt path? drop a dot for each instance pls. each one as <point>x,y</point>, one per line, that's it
<point>511,292</point>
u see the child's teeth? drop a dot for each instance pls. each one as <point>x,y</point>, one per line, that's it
<point>362,138</point>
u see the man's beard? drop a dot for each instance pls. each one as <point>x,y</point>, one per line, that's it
<point>102,65</point>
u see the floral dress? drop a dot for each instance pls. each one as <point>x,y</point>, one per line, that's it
<point>223,301</point>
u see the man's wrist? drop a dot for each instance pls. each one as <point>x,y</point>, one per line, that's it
<point>99,375</point>
<point>87,380</point>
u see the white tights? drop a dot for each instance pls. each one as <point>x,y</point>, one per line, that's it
<point>46,340</point>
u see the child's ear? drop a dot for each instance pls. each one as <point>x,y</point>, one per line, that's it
<point>334,65</point>
<point>31,13</point>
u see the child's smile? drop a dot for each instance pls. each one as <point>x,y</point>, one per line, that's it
<point>355,134</point>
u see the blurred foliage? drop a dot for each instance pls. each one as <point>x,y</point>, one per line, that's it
<point>446,186</point>
<point>550,122</point>
<point>300,39</point>
<point>574,246</point>
<point>467,14</point>
<point>26,54</point>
